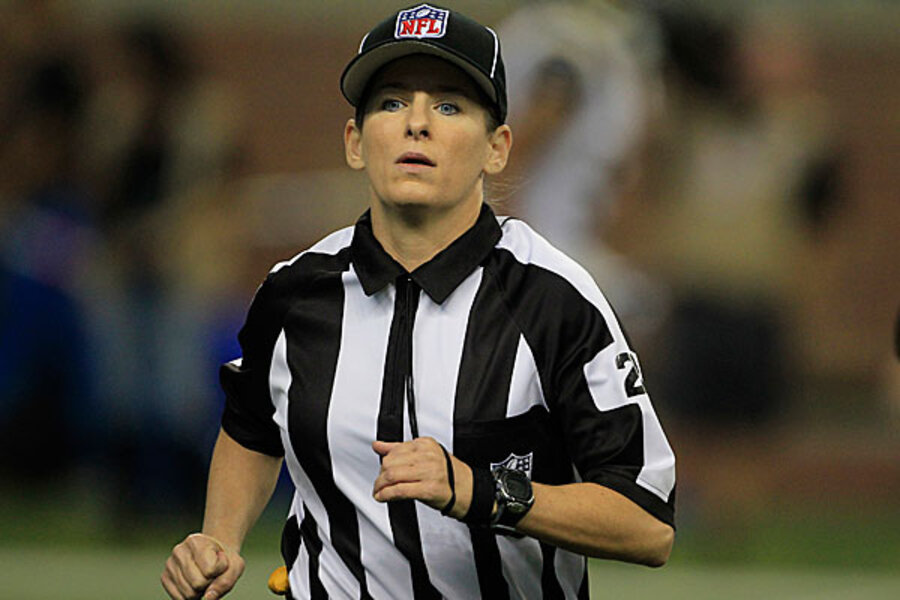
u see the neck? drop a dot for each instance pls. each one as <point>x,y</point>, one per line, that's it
<point>414,235</point>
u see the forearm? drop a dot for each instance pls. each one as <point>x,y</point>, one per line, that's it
<point>582,517</point>
<point>594,520</point>
<point>240,485</point>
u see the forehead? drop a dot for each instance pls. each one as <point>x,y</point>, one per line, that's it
<point>424,72</point>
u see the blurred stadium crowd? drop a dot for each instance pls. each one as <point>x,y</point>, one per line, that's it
<point>724,174</point>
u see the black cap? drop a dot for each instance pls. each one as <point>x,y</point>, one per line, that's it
<point>428,29</point>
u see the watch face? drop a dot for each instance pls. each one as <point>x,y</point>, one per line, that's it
<point>517,488</point>
<point>514,494</point>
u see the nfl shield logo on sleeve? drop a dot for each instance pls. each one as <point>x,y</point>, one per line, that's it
<point>422,21</point>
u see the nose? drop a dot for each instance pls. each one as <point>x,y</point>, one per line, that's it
<point>418,123</point>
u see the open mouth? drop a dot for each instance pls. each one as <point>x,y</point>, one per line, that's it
<point>414,158</point>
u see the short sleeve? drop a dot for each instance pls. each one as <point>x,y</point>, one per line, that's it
<point>248,413</point>
<point>613,433</point>
<point>590,378</point>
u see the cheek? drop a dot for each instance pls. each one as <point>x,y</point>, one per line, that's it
<point>473,152</point>
<point>373,141</point>
<point>372,154</point>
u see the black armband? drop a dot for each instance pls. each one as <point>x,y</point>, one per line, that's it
<point>483,495</point>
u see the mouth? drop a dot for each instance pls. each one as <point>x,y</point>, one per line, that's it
<point>415,158</point>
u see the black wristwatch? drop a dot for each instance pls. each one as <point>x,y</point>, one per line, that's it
<point>514,497</point>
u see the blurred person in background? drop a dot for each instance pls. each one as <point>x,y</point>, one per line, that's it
<point>105,148</point>
<point>728,214</point>
<point>724,221</point>
<point>585,92</point>
<point>160,133</point>
<point>521,370</point>
<point>48,419</point>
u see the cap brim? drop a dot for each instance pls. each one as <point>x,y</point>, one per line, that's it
<point>364,66</point>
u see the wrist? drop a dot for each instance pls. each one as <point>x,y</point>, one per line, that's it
<point>463,491</point>
<point>481,504</point>
<point>225,542</point>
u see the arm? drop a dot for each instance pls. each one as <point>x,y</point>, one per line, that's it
<point>582,517</point>
<point>594,520</point>
<point>208,564</point>
<point>241,483</point>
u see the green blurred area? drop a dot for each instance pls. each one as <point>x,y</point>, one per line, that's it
<point>33,574</point>
<point>65,546</point>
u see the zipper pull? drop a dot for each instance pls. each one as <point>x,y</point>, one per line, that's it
<point>408,367</point>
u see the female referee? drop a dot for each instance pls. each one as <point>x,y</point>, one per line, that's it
<point>457,405</point>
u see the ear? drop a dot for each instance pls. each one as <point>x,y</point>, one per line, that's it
<point>353,146</point>
<point>500,145</point>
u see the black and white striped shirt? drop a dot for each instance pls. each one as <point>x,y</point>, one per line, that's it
<point>501,348</point>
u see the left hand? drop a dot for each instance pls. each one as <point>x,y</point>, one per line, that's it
<point>417,470</point>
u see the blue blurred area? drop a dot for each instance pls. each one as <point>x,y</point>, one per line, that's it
<point>728,175</point>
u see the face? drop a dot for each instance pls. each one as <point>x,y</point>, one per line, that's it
<point>425,141</point>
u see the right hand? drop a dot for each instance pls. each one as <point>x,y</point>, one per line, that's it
<point>201,567</point>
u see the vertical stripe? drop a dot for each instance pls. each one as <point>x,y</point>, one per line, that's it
<point>398,361</point>
<point>306,499</point>
<point>294,552</point>
<point>438,353</point>
<point>571,572</point>
<point>499,380</point>
<point>298,568</point>
<point>550,587</point>
<point>522,565</point>
<point>280,382</point>
<point>438,347</point>
<point>490,350</point>
<point>290,541</point>
<point>332,572</point>
<point>491,582</point>
<point>309,533</point>
<point>298,577</point>
<point>313,327</point>
<point>482,391</point>
<point>353,420</point>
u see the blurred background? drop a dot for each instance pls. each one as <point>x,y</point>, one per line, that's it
<point>726,170</point>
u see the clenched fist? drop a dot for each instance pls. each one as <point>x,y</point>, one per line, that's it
<point>418,470</point>
<point>201,567</point>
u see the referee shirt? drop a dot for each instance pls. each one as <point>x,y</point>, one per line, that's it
<point>501,348</point>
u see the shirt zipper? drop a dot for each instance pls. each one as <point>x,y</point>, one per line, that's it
<point>407,367</point>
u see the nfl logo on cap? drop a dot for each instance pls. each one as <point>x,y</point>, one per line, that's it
<point>422,21</point>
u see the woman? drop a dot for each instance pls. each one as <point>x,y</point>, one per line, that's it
<point>457,406</point>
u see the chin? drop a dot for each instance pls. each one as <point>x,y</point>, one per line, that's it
<point>412,201</point>
<point>414,210</point>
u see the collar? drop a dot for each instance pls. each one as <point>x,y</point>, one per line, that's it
<point>440,275</point>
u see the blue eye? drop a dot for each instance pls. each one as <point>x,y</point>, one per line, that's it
<point>446,108</point>
<point>391,105</point>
